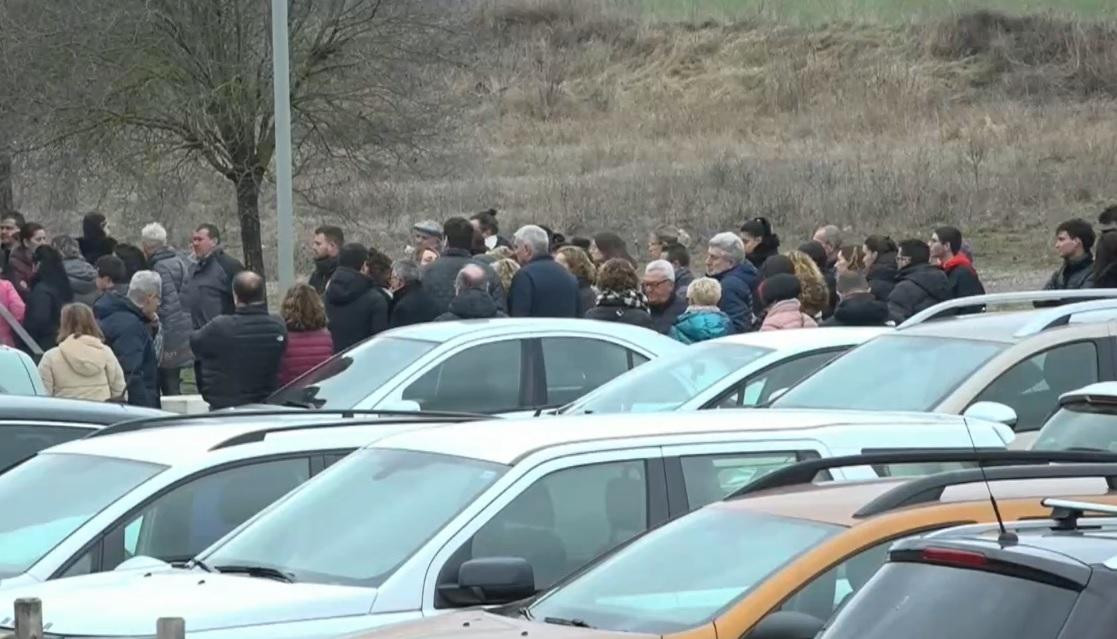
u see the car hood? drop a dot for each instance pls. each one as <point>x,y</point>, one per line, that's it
<point>478,624</point>
<point>106,604</point>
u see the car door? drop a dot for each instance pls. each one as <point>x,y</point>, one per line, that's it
<point>757,389</point>
<point>489,377</point>
<point>22,439</point>
<point>572,366</point>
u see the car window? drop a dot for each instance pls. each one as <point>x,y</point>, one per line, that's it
<point>567,518</point>
<point>1080,426</point>
<point>1032,387</point>
<point>481,379</point>
<point>759,388</point>
<point>577,365</point>
<point>710,478</point>
<point>15,377</point>
<point>20,441</point>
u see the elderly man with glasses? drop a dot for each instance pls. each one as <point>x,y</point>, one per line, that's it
<point>726,263</point>
<point>664,303</point>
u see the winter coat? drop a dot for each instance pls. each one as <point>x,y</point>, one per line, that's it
<point>19,270</point>
<point>208,292</point>
<point>174,320</point>
<point>1073,274</point>
<point>683,277</point>
<point>44,313</point>
<point>627,307</point>
<point>587,296</point>
<point>543,288</point>
<point>737,287</point>
<point>356,308</point>
<point>664,316</point>
<point>11,300</point>
<point>304,351</point>
<point>93,249</point>
<point>882,276</point>
<point>323,270</point>
<point>412,305</point>
<point>82,368</point>
<point>963,279</point>
<point>472,303</point>
<point>761,254</point>
<point>699,324</point>
<point>830,275</point>
<point>859,309</point>
<point>83,280</point>
<point>128,334</point>
<point>440,275</point>
<point>240,355</point>
<point>918,287</point>
<point>786,314</point>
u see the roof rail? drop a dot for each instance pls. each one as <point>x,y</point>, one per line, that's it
<point>1017,297</point>
<point>1066,513</point>
<point>143,423</point>
<point>1061,315</point>
<point>805,472</point>
<point>261,434</point>
<point>931,487</point>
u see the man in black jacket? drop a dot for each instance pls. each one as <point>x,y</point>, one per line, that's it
<point>439,277</point>
<point>946,249</point>
<point>664,302</point>
<point>411,304</point>
<point>858,305</point>
<point>472,300</point>
<point>542,287</point>
<point>208,291</point>
<point>240,353</point>
<point>919,284</point>
<point>356,307</point>
<point>326,244</point>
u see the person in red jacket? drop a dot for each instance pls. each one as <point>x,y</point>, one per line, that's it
<point>308,341</point>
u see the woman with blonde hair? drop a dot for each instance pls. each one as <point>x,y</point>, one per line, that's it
<point>850,258</point>
<point>506,269</point>
<point>308,340</point>
<point>578,262</point>
<point>703,320</point>
<point>81,366</point>
<point>660,239</point>
<point>815,294</point>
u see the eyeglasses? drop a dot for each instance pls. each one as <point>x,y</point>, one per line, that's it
<point>654,284</point>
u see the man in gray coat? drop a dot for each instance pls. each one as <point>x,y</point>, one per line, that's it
<point>208,291</point>
<point>174,320</point>
<point>440,275</point>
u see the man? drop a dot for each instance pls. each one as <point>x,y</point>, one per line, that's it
<point>130,323</point>
<point>208,292</point>
<point>542,287</point>
<point>439,276</point>
<point>173,271</point>
<point>679,257</point>
<point>1107,219</point>
<point>919,284</point>
<point>1074,240</point>
<point>946,251</point>
<point>21,266</point>
<point>472,299</point>
<point>356,307</point>
<point>411,304</point>
<point>9,235</point>
<point>425,235</point>
<point>830,237</point>
<point>664,302</point>
<point>112,276</point>
<point>858,305</point>
<point>726,263</point>
<point>240,353</point>
<point>327,241</point>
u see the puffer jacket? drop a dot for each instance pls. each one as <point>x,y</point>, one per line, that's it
<point>83,280</point>
<point>128,334</point>
<point>82,368</point>
<point>699,324</point>
<point>44,312</point>
<point>412,305</point>
<point>1072,275</point>
<point>786,314</point>
<point>440,275</point>
<point>208,291</point>
<point>305,350</point>
<point>19,270</point>
<point>174,320</point>
<point>859,309</point>
<point>882,276</point>
<point>472,303</point>
<point>240,355</point>
<point>918,287</point>
<point>356,308</point>
<point>11,300</point>
<point>737,287</point>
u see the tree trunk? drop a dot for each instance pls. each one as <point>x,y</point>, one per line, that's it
<point>248,210</point>
<point>7,195</point>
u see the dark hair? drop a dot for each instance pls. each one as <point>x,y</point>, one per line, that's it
<point>776,265</point>
<point>1106,255</point>
<point>880,244</point>
<point>916,251</point>
<point>28,230</point>
<point>14,215</point>
<point>761,229</point>
<point>612,247</point>
<point>93,226</point>
<point>951,236</point>
<point>779,287</point>
<point>458,233</point>
<point>477,246</point>
<point>133,258</point>
<point>850,281</point>
<point>617,275</point>
<point>581,242</point>
<point>352,255</point>
<point>249,287</point>
<point>487,221</point>
<point>677,254</point>
<point>50,270</point>
<point>112,267</point>
<point>1078,229</point>
<point>1108,216</point>
<point>333,234</point>
<point>380,265</point>
<point>211,230</point>
<point>816,252</point>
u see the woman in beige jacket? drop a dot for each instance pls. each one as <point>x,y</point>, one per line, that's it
<point>81,366</point>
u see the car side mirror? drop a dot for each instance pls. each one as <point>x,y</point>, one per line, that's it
<point>992,412</point>
<point>491,581</point>
<point>786,624</point>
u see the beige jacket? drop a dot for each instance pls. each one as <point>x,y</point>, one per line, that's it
<point>82,368</point>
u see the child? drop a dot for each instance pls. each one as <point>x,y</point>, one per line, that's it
<point>781,295</point>
<point>702,320</point>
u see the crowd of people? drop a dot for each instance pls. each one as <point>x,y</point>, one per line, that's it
<point>120,322</point>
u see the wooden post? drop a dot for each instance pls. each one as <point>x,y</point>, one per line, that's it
<point>29,619</point>
<point>170,628</point>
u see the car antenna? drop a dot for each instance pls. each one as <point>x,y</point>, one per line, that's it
<point>1006,538</point>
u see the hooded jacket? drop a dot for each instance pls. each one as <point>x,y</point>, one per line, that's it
<point>859,309</point>
<point>10,300</point>
<point>83,280</point>
<point>304,351</point>
<point>240,355</point>
<point>963,279</point>
<point>324,269</point>
<point>1073,274</point>
<point>472,303</point>
<point>127,334</point>
<point>701,324</point>
<point>82,368</point>
<point>786,314</point>
<point>737,287</point>
<point>174,320</point>
<point>440,275</point>
<point>882,276</point>
<point>918,287</point>
<point>208,292</point>
<point>356,308</point>
<point>412,305</point>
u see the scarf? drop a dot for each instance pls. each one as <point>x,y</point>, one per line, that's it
<point>630,298</point>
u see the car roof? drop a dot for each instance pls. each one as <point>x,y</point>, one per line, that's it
<point>993,327</point>
<point>25,407</point>
<point>1101,392</point>
<point>832,502</point>
<point>804,339</point>
<point>506,441</point>
<point>445,331</point>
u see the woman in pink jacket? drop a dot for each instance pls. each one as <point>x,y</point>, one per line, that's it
<point>308,341</point>
<point>781,295</point>
<point>10,300</point>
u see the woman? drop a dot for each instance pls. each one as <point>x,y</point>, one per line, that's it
<point>21,262</point>
<point>703,320</point>
<point>10,300</point>
<point>501,253</point>
<point>817,253</point>
<point>95,241</point>
<point>50,291</point>
<point>620,299</point>
<point>83,277</point>
<point>880,265</point>
<point>308,341</point>
<point>506,269</point>
<point>760,242</point>
<point>607,246</point>
<point>133,258</point>
<point>850,258</point>
<point>485,222</point>
<point>81,366</point>
<point>659,240</point>
<point>814,294</point>
<point>581,267</point>
<point>784,310</point>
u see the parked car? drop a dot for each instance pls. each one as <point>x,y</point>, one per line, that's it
<point>784,554</point>
<point>480,366</point>
<point>18,373</point>
<point>402,528</point>
<point>1008,366</point>
<point>1086,420</point>
<point>1054,579</point>
<point>30,424</point>
<point>730,372</point>
<point>164,488</point>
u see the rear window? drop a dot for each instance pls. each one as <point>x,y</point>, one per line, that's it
<point>1080,426</point>
<point>925,601</point>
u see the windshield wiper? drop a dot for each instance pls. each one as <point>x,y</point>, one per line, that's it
<point>310,404</point>
<point>197,563</point>
<point>559,621</point>
<point>259,571</point>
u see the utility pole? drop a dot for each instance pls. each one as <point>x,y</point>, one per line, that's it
<point>284,204</point>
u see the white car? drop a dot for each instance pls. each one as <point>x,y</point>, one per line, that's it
<point>420,522</point>
<point>730,372</point>
<point>164,487</point>
<point>1085,420</point>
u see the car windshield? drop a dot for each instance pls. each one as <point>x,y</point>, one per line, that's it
<point>346,379</point>
<point>666,383</point>
<point>1080,426</point>
<point>49,496</point>
<point>682,575</point>
<point>892,372</point>
<point>356,524</point>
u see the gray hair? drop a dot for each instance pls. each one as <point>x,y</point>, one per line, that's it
<point>534,238</point>
<point>661,267</point>
<point>153,235</point>
<point>832,234</point>
<point>406,270</point>
<point>731,244</point>
<point>143,285</point>
<point>471,276</point>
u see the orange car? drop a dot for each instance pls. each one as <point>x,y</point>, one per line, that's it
<point>780,558</point>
